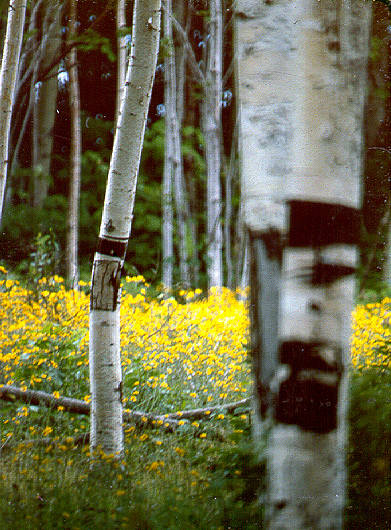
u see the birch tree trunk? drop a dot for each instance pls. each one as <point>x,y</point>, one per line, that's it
<point>45,106</point>
<point>211,128</point>
<point>265,68</point>
<point>75,156</point>
<point>301,381</point>
<point>173,155</point>
<point>167,203</point>
<point>122,53</point>
<point>105,364</point>
<point>9,70</point>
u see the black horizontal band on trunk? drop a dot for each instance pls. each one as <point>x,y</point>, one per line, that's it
<point>309,404</point>
<point>110,247</point>
<point>315,224</point>
<point>305,356</point>
<point>304,399</point>
<point>325,273</point>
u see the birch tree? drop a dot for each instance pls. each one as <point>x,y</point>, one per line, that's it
<point>173,164</point>
<point>122,53</point>
<point>211,128</point>
<point>302,79</point>
<point>9,70</point>
<point>167,203</point>
<point>45,104</point>
<point>74,156</point>
<point>105,364</point>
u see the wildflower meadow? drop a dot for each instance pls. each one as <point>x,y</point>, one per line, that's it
<point>188,352</point>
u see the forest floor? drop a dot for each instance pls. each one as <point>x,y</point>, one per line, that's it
<point>180,354</point>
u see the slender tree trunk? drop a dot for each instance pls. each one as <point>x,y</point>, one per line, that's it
<point>211,126</point>
<point>122,53</point>
<point>174,162</point>
<point>75,156</point>
<point>300,366</point>
<point>167,203</point>
<point>105,363</point>
<point>180,10</point>
<point>9,70</point>
<point>45,105</point>
<point>183,15</point>
<point>30,55</point>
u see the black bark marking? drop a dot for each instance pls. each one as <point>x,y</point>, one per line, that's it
<point>316,224</point>
<point>308,397</point>
<point>111,247</point>
<point>109,227</point>
<point>116,281</point>
<point>105,285</point>
<point>119,389</point>
<point>322,273</point>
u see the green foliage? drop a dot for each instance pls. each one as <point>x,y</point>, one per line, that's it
<point>44,258</point>
<point>23,228</point>
<point>92,40</point>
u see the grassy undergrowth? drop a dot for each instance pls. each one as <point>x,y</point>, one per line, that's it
<point>182,353</point>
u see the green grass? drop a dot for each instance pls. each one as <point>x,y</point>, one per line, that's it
<point>204,475</point>
<point>164,481</point>
<point>179,480</point>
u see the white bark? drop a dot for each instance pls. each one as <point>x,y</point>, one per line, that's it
<point>211,128</point>
<point>45,105</point>
<point>9,70</point>
<point>174,163</point>
<point>115,229</point>
<point>122,53</point>
<point>183,21</point>
<point>167,202</point>
<point>266,84</point>
<point>312,56</point>
<point>74,157</point>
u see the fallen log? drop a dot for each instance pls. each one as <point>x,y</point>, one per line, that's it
<point>77,406</point>
<point>198,414</point>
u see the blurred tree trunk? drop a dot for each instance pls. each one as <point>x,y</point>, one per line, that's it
<point>8,74</point>
<point>173,165</point>
<point>75,155</point>
<point>183,14</point>
<point>45,104</point>
<point>105,362</point>
<point>211,128</point>
<point>303,237</point>
<point>169,119</point>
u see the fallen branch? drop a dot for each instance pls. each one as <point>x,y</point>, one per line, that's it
<point>39,398</point>
<point>197,414</point>
<point>77,406</point>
